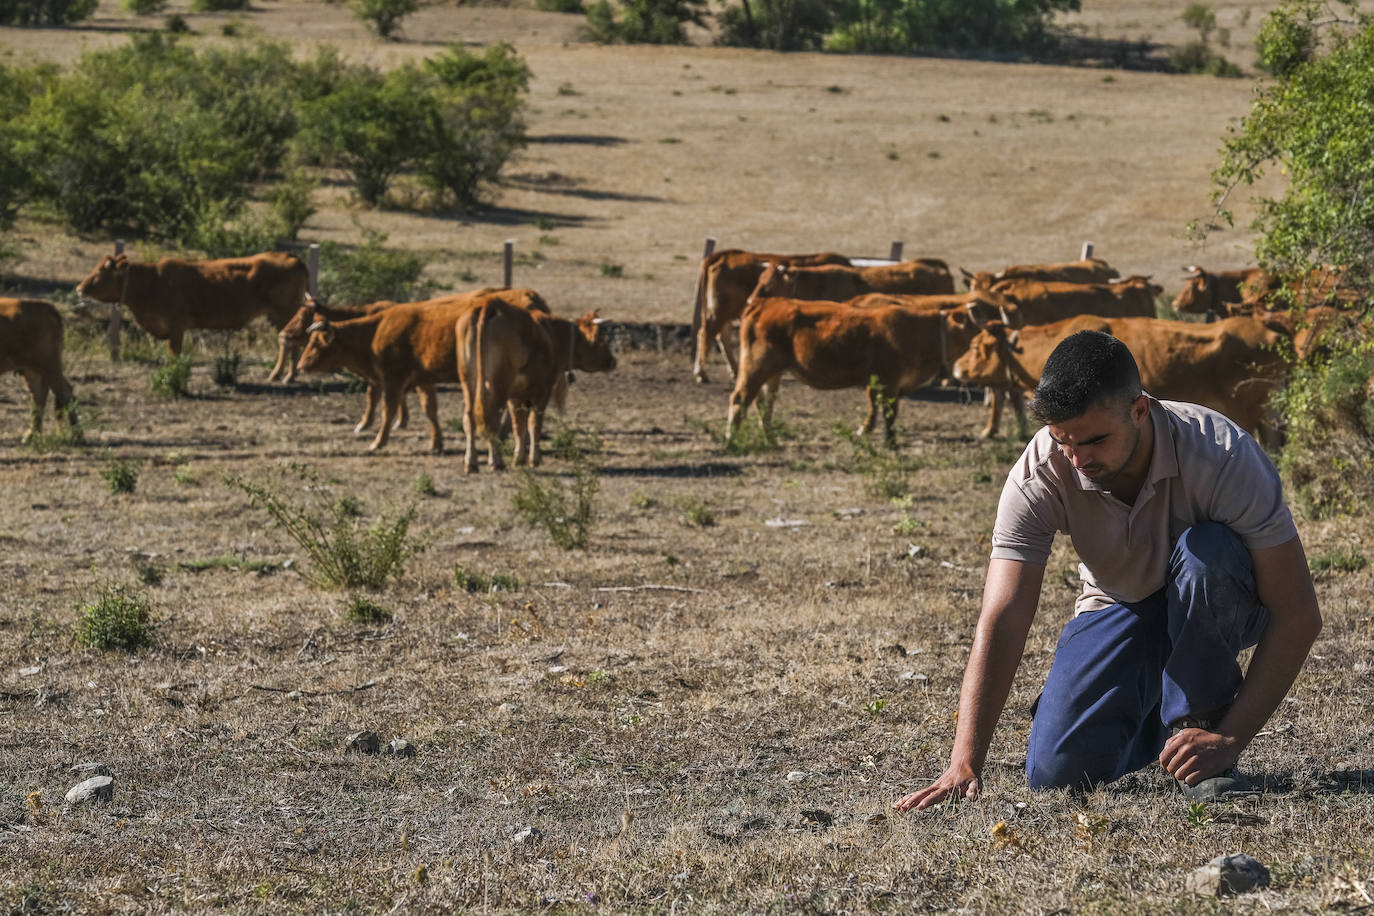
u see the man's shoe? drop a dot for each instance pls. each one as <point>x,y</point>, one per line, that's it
<point>1229,783</point>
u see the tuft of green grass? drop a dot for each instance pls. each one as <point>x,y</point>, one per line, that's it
<point>697,513</point>
<point>226,561</point>
<point>342,553</point>
<point>121,475</point>
<point>424,485</point>
<point>565,510</point>
<point>474,582</point>
<point>170,380</point>
<point>361,609</point>
<point>118,619</point>
<point>148,572</point>
<point>1347,561</point>
<point>613,271</point>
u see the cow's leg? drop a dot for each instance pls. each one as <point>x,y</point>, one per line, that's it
<point>746,392</point>
<point>767,395</point>
<point>1018,406</point>
<point>727,351</point>
<point>38,390</point>
<point>429,402</point>
<point>62,395</point>
<point>519,421</point>
<point>174,343</point>
<point>391,397</point>
<point>992,399</point>
<point>705,334</point>
<point>403,415</point>
<point>285,369</point>
<point>536,424</point>
<point>369,410</point>
<point>469,433</point>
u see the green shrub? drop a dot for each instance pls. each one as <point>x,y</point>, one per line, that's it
<point>118,619</point>
<point>170,380</point>
<point>382,16</point>
<point>371,272</point>
<point>121,475</point>
<point>341,552</point>
<point>1348,560</point>
<point>176,24</point>
<point>1199,16</point>
<point>45,12</point>
<point>424,485</point>
<point>896,26</point>
<point>473,120</point>
<point>371,126</point>
<point>652,22</point>
<point>292,203</point>
<point>1198,57</point>
<point>143,7</point>
<point>559,6</point>
<point>565,511</point>
<point>218,6</point>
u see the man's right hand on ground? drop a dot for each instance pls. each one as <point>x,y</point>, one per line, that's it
<point>957,781</point>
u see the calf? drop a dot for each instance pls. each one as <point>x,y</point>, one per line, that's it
<point>519,359</point>
<point>1044,302</point>
<point>172,296</point>
<point>1088,270</point>
<point>406,346</point>
<point>31,345</point>
<point>1207,291</point>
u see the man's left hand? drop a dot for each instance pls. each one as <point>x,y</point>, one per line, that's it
<point>1193,755</point>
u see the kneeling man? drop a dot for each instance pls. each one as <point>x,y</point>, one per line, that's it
<point>1188,556</point>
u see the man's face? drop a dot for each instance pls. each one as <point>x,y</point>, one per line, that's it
<point>1104,440</point>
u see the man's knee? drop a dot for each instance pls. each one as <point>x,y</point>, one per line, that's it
<point>1068,771</point>
<point>1212,545</point>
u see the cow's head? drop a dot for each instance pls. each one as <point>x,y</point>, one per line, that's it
<point>987,358</point>
<point>1198,294</point>
<point>320,354</point>
<point>775,281</point>
<point>106,282</point>
<point>591,349</point>
<point>980,282</point>
<point>295,332</point>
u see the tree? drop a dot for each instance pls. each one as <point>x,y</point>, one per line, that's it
<point>777,25</point>
<point>944,25</point>
<point>650,22</point>
<point>1314,125</point>
<point>383,16</point>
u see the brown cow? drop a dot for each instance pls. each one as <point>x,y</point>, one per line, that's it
<point>1206,291</point>
<point>31,345</point>
<point>296,334</point>
<point>410,345</point>
<point>835,345</point>
<point>173,296</point>
<point>838,283</point>
<point>1044,302</point>
<point>1231,366</point>
<point>724,283</point>
<point>1087,270</point>
<point>515,358</point>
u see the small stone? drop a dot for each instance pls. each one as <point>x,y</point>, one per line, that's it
<point>797,775</point>
<point>90,768</point>
<point>528,836</point>
<point>99,789</point>
<point>400,747</point>
<point>1237,873</point>
<point>363,743</point>
<point>30,671</point>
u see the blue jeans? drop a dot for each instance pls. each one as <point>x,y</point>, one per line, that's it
<point>1121,675</point>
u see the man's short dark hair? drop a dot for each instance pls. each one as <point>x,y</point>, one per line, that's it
<point>1087,368</point>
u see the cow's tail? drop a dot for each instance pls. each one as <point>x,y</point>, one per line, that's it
<point>480,416</point>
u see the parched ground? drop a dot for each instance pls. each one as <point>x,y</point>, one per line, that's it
<point>711,706</point>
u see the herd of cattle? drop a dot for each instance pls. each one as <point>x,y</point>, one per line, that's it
<point>893,328</point>
<point>889,328</point>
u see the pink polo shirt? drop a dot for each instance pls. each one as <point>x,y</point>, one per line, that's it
<point>1203,468</point>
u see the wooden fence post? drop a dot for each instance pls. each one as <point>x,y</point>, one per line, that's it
<point>507,262</point>
<point>710,247</point>
<point>1087,251</point>
<point>116,314</point>
<point>312,263</point>
<point>896,252</point>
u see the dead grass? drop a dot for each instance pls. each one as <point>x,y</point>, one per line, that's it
<point>641,702</point>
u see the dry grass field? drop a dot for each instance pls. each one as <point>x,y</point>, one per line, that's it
<point>711,706</point>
